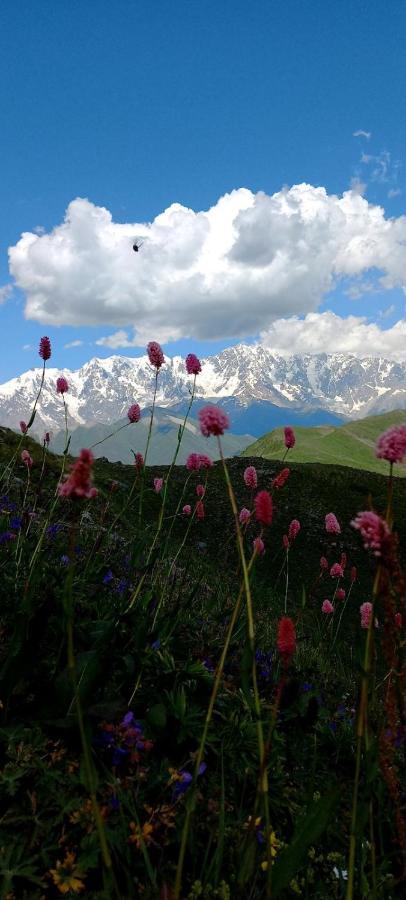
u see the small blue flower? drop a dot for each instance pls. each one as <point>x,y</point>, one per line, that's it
<point>156,644</point>
<point>52,531</point>
<point>64,560</point>
<point>108,577</point>
<point>16,523</point>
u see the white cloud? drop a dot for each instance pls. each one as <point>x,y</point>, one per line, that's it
<point>329,333</point>
<point>362,133</point>
<point>27,346</point>
<point>229,271</point>
<point>394,192</point>
<point>5,292</point>
<point>73,344</point>
<point>118,339</point>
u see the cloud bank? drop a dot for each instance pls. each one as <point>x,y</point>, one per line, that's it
<point>326,332</point>
<point>227,272</point>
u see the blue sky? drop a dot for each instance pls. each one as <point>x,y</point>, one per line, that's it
<point>136,106</point>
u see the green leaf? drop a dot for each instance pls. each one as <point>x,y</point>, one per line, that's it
<point>157,715</point>
<point>308,831</point>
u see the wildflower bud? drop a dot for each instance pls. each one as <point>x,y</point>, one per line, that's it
<point>23,427</point>
<point>139,461</point>
<point>250,477</point>
<point>323,563</point>
<point>264,507</point>
<point>193,366</point>
<point>205,461</point>
<point>193,462</point>
<point>340,594</point>
<point>343,560</point>
<point>155,354</point>
<point>47,437</point>
<point>332,524</point>
<point>391,445</point>
<point>373,529</point>
<point>158,485</point>
<point>200,509</point>
<point>327,607</point>
<point>336,571</point>
<point>365,613</point>
<point>134,413</point>
<point>200,490</point>
<point>286,639</point>
<point>281,478</point>
<point>285,542</point>
<point>61,385</point>
<point>187,510</point>
<point>398,620</point>
<point>259,546</point>
<point>213,421</point>
<point>294,529</point>
<point>27,459</point>
<point>44,349</point>
<point>78,484</point>
<point>290,439</point>
<point>244,516</point>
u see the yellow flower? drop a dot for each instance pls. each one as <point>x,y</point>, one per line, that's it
<point>141,835</point>
<point>275,846</point>
<point>67,877</point>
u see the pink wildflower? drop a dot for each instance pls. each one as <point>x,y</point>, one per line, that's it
<point>327,607</point>
<point>391,445</point>
<point>61,385</point>
<point>47,437</point>
<point>336,571</point>
<point>44,349</point>
<point>263,507</point>
<point>250,477</point>
<point>187,510</point>
<point>27,459</point>
<point>158,485</point>
<point>213,420</point>
<point>285,542</point>
<point>155,354</point>
<point>294,529</point>
<point>290,439</point>
<point>343,560</point>
<point>193,366</point>
<point>281,478</point>
<point>134,413</point>
<point>332,525</point>
<point>259,546</point>
<point>373,529</point>
<point>200,490</point>
<point>398,620</point>
<point>366,613</point>
<point>200,509</point>
<point>286,639</point>
<point>193,462</point>
<point>139,461</point>
<point>205,461</point>
<point>323,563</point>
<point>244,516</point>
<point>78,483</point>
<point>23,427</point>
<point>353,574</point>
<point>340,594</point>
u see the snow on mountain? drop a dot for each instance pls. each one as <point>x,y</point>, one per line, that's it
<point>103,389</point>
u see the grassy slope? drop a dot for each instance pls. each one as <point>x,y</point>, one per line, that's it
<point>352,444</point>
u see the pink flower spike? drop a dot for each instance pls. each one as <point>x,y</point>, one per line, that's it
<point>158,485</point>
<point>187,510</point>
<point>78,484</point>
<point>155,354</point>
<point>336,571</point>
<point>250,477</point>
<point>213,421</point>
<point>139,461</point>
<point>134,413</point>
<point>398,620</point>
<point>263,507</point>
<point>27,459</point>
<point>61,385</point>
<point>323,563</point>
<point>332,525</point>
<point>286,639</point>
<point>244,516</point>
<point>23,427</point>
<point>193,462</point>
<point>294,529</point>
<point>259,546</point>
<point>281,478</point>
<point>47,437</point>
<point>205,461</point>
<point>193,366</point>
<point>290,439</point>
<point>44,349</point>
<point>391,445</point>
<point>373,529</point>
<point>285,542</point>
<point>327,607</point>
<point>200,490</point>
<point>365,613</point>
<point>200,509</point>
<point>340,594</point>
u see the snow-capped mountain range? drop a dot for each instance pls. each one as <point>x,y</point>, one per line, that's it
<point>242,377</point>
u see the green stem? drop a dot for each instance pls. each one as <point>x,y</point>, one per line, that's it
<point>147,448</point>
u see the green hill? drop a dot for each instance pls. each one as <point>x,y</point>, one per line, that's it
<point>352,444</point>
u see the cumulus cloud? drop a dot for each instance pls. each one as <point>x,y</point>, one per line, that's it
<point>73,344</point>
<point>229,271</point>
<point>329,333</point>
<point>362,133</point>
<point>5,292</point>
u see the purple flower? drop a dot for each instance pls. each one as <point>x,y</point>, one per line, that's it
<point>108,577</point>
